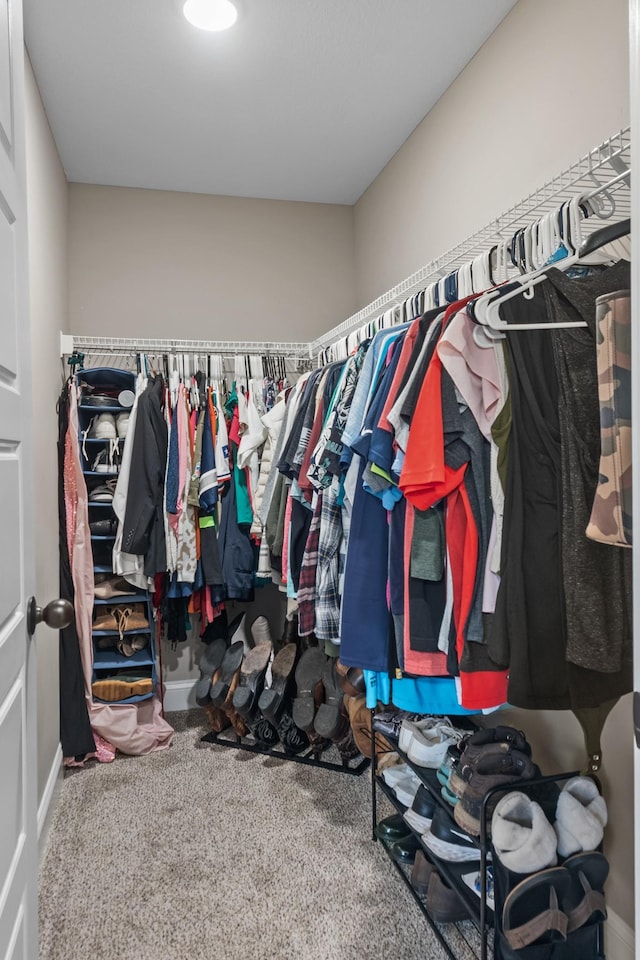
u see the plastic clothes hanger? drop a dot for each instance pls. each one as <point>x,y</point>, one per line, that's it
<point>597,240</point>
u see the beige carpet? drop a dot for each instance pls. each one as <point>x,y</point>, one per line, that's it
<point>205,852</point>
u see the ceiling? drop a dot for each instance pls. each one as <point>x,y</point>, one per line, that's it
<point>300,100</point>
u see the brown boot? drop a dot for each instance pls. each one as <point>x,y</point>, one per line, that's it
<point>351,679</point>
<point>360,719</point>
<point>218,720</point>
<point>237,722</point>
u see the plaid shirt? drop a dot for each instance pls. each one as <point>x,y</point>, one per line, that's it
<point>328,569</point>
<point>307,582</point>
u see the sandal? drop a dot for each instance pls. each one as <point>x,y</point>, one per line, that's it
<point>531,911</point>
<point>585,902</point>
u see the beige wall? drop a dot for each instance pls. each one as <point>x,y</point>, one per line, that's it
<point>529,103</point>
<point>548,85</point>
<point>151,263</point>
<point>48,287</point>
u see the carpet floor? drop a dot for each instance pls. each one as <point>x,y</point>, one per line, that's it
<point>202,851</point>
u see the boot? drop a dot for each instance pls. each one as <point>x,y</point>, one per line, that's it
<point>238,631</point>
<point>226,708</point>
<point>291,737</point>
<point>251,681</point>
<point>218,720</point>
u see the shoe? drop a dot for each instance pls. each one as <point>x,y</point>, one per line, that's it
<point>428,747</point>
<point>585,903</point>
<point>261,631</point>
<point>451,759</point>
<point>411,725</point>
<point>389,723</point>
<point>351,679</point>
<point>97,400</point>
<point>490,739</point>
<point>122,425</point>
<point>420,814</point>
<point>218,720</point>
<point>331,714</point>
<point>272,699</point>
<point>238,631</point>
<point>251,681</point>
<point>448,797</point>
<point>291,737</point>
<point>407,789</point>
<point>104,528</point>
<point>122,686</point>
<point>210,661</point>
<point>420,874</point>
<point>447,841</point>
<point>492,770</point>
<point>443,903</point>
<point>522,837</point>
<point>103,493</point>
<point>404,851</point>
<point>393,775</point>
<point>360,720</point>
<point>346,745</point>
<point>531,912</point>
<point>107,461</point>
<point>581,816</point>
<point>103,427</point>
<point>392,828</point>
<point>220,686</point>
<point>113,587</point>
<point>309,685</point>
<point>472,880</point>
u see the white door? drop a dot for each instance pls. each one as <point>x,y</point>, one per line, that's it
<point>18,843</point>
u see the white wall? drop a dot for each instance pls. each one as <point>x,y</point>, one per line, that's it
<point>47,211</point>
<point>549,84</point>
<point>151,263</point>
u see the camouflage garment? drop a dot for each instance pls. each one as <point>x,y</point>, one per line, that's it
<point>610,520</point>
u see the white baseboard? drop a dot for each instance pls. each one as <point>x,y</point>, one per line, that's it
<point>49,799</point>
<point>180,695</point>
<point>619,938</point>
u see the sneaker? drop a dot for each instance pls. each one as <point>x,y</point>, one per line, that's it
<point>103,427</point>
<point>122,424</point>
<point>428,747</point>
<point>389,723</point>
<point>472,880</point>
<point>393,775</point>
<point>451,759</point>
<point>491,770</point>
<point>448,842</point>
<point>107,461</point>
<point>103,493</point>
<point>420,815</point>
<point>410,727</point>
<point>406,789</point>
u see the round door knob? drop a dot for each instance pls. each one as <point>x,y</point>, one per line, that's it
<point>57,614</point>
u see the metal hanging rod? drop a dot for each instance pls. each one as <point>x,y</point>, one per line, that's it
<point>124,346</point>
<point>613,156</point>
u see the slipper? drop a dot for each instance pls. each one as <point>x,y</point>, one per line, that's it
<point>308,677</point>
<point>251,682</point>
<point>228,669</point>
<point>531,912</point>
<point>271,700</point>
<point>210,660</point>
<point>330,715</point>
<point>585,902</point>
<point>581,816</point>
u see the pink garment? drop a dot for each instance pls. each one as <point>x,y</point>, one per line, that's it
<point>285,539</point>
<point>134,728</point>
<point>473,369</point>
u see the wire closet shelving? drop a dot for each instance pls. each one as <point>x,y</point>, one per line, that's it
<point>602,171</point>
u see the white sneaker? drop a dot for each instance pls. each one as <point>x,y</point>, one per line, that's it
<point>122,424</point>
<point>103,427</point>
<point>393,775</point>
<point>428,748</point>
<point>409,727</point>
<point>406,789</point>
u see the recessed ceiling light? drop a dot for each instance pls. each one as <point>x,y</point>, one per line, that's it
<point>210,14</point>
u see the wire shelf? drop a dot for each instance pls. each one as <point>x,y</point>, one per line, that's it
<point>125,346</point>
<point>611,158</point>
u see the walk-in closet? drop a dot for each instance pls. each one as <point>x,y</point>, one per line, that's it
<point>316,406</point>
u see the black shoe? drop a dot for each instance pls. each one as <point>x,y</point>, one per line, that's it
<point>251,682</point>
<point>292,739</point>
<point>404,851</point>
<point>272,698</point>
<point>392,828</point>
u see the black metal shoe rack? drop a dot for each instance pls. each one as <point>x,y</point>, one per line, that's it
<point>480,915</point>
<point>311,757</point>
